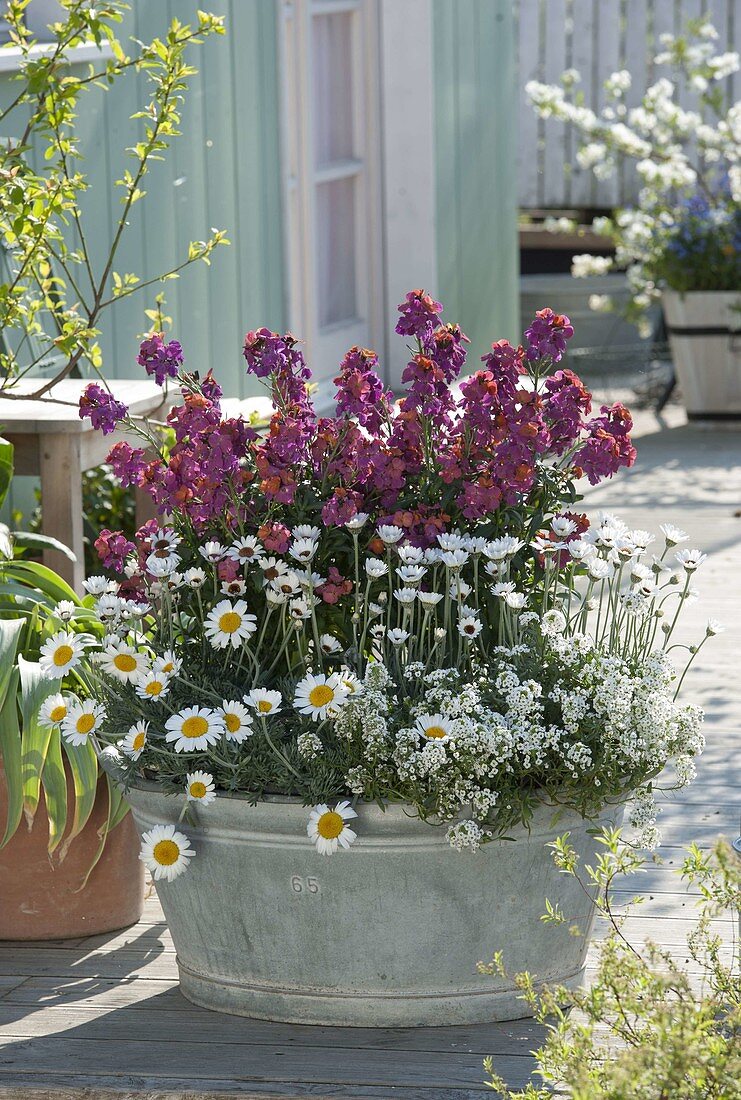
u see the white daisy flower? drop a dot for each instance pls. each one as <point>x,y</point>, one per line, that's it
<point>229,623</point>
<point>194,728</point>
<point>200,788</point>
<point>303,550</point>
<point>264,702</point>
<point>309,580</point>
<point>162,564</point>
<point>599,570</point>
<point>429,599</point>
<point>195,577</point>
<point>153,685</point>
<point>319,696</point>
<point>672,534</point>
<point>275,599</point>
<point>460,590</point>
<point>501,588</point>
<point>410,555</point>
<point>212,552</point>
<point>288,583</point>
<point>452,541</point>
<point>165,852</point>
<point>328,828</point>
<point>357,521</point>
<point>165,540</point>
<point>123,661</point>
<point>329,645</point>
<point>580,549</point>
<point>272,568</point>
<point>60,653</point>
<point>642,539</point>
<point>454,559</point>
<point>397,636</point>
<point>237,721</point>
<point>135,741</point>
<point>543,545</point>
<point>53,710</point>
<point>246,550</point>
<point>65,610</point>
<point>515,600</point>
<point>350,682</point>
<point>306,531</point>
<point>375,568</point>
<point>405,595</point>
<point>169,663</point>
<point>494,568</point>
<point>411,574</point>
<point>83,718</point>
<point>433,727</point>
<point>562,526</point>
<point>299,610</point>
<point>237,587</point>
<point>690,559</point>
<point>97,585</point>
<point>470,627</point>
<point>389,534</point>
<point>714,627</point>
<point>109,608</point>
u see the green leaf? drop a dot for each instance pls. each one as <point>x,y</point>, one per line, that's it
<point>10,632</point>
<point>39,576</point>
<point>55,790</point>
<point>6,468</point>
<point>117,810</point>
<point>83,767</point>
<point>35,738</point>
<point>42,542</point>
<point>10,750</point>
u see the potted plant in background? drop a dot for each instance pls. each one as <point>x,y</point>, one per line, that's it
<point>383,636</point>
<point>681,243</point>
<point>68,847</point>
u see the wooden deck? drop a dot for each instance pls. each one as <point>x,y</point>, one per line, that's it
<point>102,1017</point>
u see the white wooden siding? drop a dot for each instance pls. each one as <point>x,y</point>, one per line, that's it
<point>596,37</point>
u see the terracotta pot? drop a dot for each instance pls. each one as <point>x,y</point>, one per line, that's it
<point>705,336</point>
<point>41,898</point>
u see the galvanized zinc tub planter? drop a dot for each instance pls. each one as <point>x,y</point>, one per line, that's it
<point>385,934</point>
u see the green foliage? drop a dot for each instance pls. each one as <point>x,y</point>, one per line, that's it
<point>647,1028</point>
<point>53,299</point>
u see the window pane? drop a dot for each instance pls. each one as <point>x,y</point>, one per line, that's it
<point>333,88</point>
<point>335,237</point>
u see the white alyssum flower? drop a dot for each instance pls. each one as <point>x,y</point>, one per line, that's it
<point>165,852</point>
<point>200,788</point>
<point>466,834</point>
<point>328,828</point>
<point>60,654</point>
<point>229,623</point>
<point>194,729</point>
<point>553,622</point>
<point>586,265</point>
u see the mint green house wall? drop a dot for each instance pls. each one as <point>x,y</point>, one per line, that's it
<point>476,167</point>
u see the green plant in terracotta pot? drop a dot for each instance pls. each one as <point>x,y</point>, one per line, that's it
<point>68,850</point>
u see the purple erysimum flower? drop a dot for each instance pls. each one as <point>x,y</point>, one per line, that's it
<point>101,408</point>
<point>608,446</point>
<point>128,463</point>
<point>160,359</point>
<point>113,549</point>
<point>360,391</point>
<point>548,335</point>
<point>420,314</point>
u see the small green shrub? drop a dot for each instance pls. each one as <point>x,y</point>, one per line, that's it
<point>647,1028</point>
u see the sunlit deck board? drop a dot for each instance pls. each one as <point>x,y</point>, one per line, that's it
<point>101,1018</point>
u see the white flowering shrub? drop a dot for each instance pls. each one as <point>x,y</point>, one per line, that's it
<point>685,231</point>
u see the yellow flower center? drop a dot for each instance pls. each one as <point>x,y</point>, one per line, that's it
<point>139,741</point>
<point>330,825</point>
<point>58,713</point>
<point>320,695</point>
<point>124,662</point>
<point>198,789</point>
<point>169,667</point>
<point>233,723</point>
<point>435,731</point>
<point>154,687</point>
<point>194,727</point>
<point>229,622</point>
<point>63,654</point>
<point>264,706</point>
<point>85,722</point>
<point>166,852</point>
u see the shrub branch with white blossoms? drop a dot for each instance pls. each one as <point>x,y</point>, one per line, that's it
<point>457,640</point>
<point>685,230</point>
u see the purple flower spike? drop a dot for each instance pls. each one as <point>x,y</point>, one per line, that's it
<point>160,359</point>
<point>548,335</point>
<point>101,408</point>
<point>420,314</point>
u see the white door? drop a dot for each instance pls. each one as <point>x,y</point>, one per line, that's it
<point>331,158</point>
